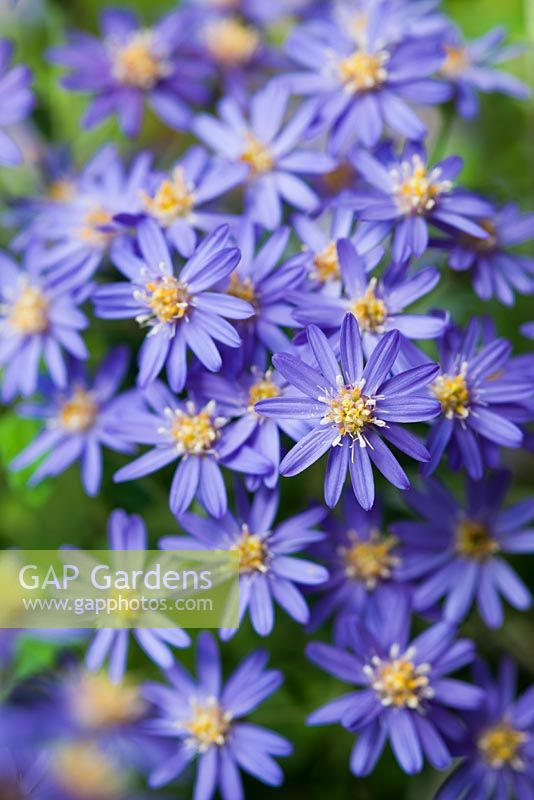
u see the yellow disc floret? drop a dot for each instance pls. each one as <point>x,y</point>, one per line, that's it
<point>257,155</point>
<point>209,725</point>
<point>86,773</point>
<point>97,702</point>
<point>326,264</point>
<point>173,199</point>
<point>194,432</point>
<point>167,298</point>
<point>415,189</point>
<point>139,62</point>
<point>91,231</point>
<point>456,61</point>
<point>452,392</point>
<point>501,746</point>
<point>79,412</point>
<point>252,552</point>
<point>264,389</point>
<point>351,411</point>
<point>370,310</point>
<point>398,681</point>
<point>370,561</point>
<point>474,541</point>
<point>29,312</point>
<point>243,288</point>
<point>232,43</point>
<point>362,71</point>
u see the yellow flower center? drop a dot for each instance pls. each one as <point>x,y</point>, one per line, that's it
<point>351,411</point>
<point>91,231</point>
<point>342,177</point>
<point>252,552</point>
<point>326,264</point>
<point>167,298</point>
<point>473,540</point>
<point>370,561</point>
<point>263,389</point>
<point>86,773</point>
<point>482,245</point>
<point>398,681</point>
<point>61,191</point>
<point>232,43</point>
<point>99,703</point>
<point>500,746</point>
<point>174,199</point>
<point>363,71</point>
<point>29,313</point>
<point>456,62</point>
<point>209,725</point>
<point>370,311</point>
<point>453,394</point>
<point>257,155</point>
<point>243,288</point>
<point>195,433</point>
<point>79,413</point>
<point>138,63</point>
<point>415,189</point>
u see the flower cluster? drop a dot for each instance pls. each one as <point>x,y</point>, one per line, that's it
<point>278,273</point>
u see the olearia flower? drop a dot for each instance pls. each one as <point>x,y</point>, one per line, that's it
<point>38,321</point>
<point>78,421</point>
<point>198,437</point>
<point>16,102</point>
<point>470,68</point>
<point>177,307</point>
<point>128,532</point>
<point>497,750</point>
<point>268,148</point>
<point>353,409</point>
<point>268,570</point>
<point>130,64</point>
<point>203,718</point>
<point>377,303</point>
<point>456,553</point>
<point>403,693</point>
<point>407,195</point>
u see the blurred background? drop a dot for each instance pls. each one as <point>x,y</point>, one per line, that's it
<point>499,154</point>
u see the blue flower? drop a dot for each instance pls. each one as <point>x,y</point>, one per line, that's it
<point>38,320</point>
<point>407,195</point>
<point>16,102</point>
<point>128,532</point>
<point>497,749</point>
<point>196,435</point>
<point>130,64</point>
<point>178,309</point>
<point>269,150</point>
<point>353,409</point>
<point>403,693</point>
<point>203,718</point>
<point>456,553</point>
<point>268,569</point>
<point>78,421</point>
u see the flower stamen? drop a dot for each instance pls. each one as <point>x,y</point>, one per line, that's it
<point>370,310</point>
<point>500,746</point>
<point>209,725</point>
<point>370,561</point>
<point>264,389</point>
<point>257,155</point>
<point>414,189</point>
<point>398,681</point>
<point>473,540</point>
<point>231,43</point>
<point>173,200</point>
<point>252,550</point>
<point>29,312</point>
<point>326,264</point>
<point>351,411</point>
<point>79,412</point>
<point>362,71</point>
<point>194,433</point>
<point>453,393</point>
<point>139,63</point>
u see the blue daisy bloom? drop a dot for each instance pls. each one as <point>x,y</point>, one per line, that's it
<point>472,67</point>
<point>16,101</point>
<point>128,532</point>
<point>483,395</point>
<point>78,421</point>
<point>131,64</point>
<point>361,83</point>
<point>497,750</point>
<point>38,321</point>
<point>197,436</point>
<point>407,195</point>
<point>178,307</point>
<point>365,565</point>
<point>203,718</point>
<point>403,692</point>
<point>353,409</point>
<point>269,572</point>
<point>377,303</point>
<point>456,553</point>
<point>496,270</point>
<point>269,149</point>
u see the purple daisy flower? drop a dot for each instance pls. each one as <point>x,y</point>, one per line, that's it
<point>128,532</point>
<point>364,565</point>
<point>16,101</point>
<point>177,201</point>
<point>403,693</point>
<point>495,271</point>
<point>481,392</point>
<point>407,195</point>
<point>268,570</point>
<point>377,303</point>
<point>75,225</point>
<point>455,553</point>
<point>38,321</point>
<point>78,421</point>
<point>178,309</point>
<point>470,68</point>
<point>130,64</point>
<point>354,408</point>
<point>268,150</point>
<point>498,748</point>
<point>400,19</point>
<point>361,83</point>
<point>198,437</point>
<point>203,718</point>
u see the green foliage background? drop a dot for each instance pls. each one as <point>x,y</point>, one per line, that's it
<point>499,154</point>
